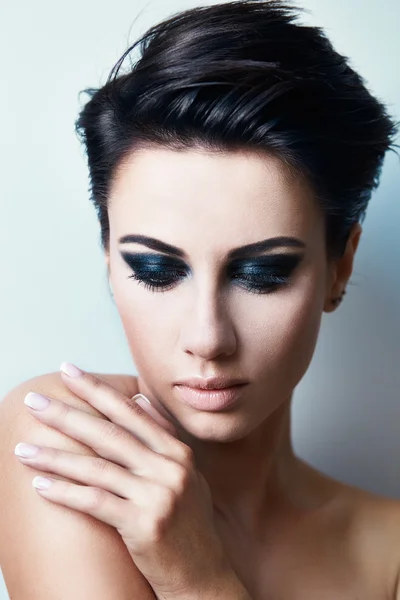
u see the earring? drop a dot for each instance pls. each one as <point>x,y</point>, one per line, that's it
<point>110,286</point>
<point>337,301</point>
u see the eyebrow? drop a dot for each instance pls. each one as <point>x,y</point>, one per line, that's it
<point>240,252</point>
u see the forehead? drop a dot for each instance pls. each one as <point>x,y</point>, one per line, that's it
<point>159,189</point>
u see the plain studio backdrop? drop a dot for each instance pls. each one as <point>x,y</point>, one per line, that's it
<point>55,304</point>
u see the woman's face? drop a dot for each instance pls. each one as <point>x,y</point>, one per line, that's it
<point>214,314</point>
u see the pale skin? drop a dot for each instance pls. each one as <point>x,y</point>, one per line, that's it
<point>288,530</point>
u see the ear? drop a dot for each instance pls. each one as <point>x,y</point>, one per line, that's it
<point>342,268</point>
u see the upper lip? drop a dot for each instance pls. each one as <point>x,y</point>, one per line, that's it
<point>211,383</point>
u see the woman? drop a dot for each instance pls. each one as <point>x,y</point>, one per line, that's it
<point>230,170</point>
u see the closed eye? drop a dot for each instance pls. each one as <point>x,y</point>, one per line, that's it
<point>263,274</point>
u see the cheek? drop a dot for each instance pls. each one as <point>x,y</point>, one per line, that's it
<point>287,339</point>
<point>147,329</point>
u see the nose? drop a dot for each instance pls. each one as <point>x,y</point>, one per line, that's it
<point>208,330</point>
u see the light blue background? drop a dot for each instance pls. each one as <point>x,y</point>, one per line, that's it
<point>55,303</point>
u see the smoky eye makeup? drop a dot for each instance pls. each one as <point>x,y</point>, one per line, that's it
<point>260,274</point>
<point>268,261</point>
<point>152,261</point>
<point>157,272</point>
<point>265,274</point>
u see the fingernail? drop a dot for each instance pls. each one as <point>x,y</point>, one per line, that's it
<point>25,450</point>
<point>141,400</point>
<point>36,401</point>
<point>42,483</point>
<point>141,396</point>
<point>70,369</point>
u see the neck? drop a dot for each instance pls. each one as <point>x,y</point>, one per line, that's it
<point>251,477</point>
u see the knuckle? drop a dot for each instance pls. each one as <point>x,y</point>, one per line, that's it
<point>99,465</point>
<point>64,410</point>
<point>48,456</point>
<point>95,381</point>
<point>110,431</point>
<point>96,498</point>
<point>180,479</point>
<point>53,455</point>
<point>186,456</point>
<point>166,503</point>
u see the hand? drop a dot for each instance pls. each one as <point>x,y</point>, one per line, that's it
<point>144,483</point>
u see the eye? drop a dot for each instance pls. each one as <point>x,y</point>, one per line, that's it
<point>155,271</point>
<point>158,280</point>
<point>261,282</point>
<point>266,274</point>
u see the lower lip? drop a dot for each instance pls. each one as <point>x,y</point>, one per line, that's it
<point>210,400</point>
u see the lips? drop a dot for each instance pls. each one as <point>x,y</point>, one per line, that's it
<point>210,383</point>
<point>210,399</point>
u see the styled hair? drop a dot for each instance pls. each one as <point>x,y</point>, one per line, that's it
<point>243,75</point>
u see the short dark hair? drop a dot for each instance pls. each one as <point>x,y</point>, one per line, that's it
<point>243,75</point>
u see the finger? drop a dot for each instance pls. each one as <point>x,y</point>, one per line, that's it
<point>107,439</point>
<point>90,470</point>
<point>154,413</point>
<point>86,383</point>
<point>124,412</point>
<point>90,500</point>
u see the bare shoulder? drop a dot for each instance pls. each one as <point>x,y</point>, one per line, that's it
<point>373,537</point>
<point>380,517</point>
<point>363,530</point>
<point>51,384</point>
<point>47,550</point>
<point>15,418</point>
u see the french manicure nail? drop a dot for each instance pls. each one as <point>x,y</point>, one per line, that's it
<point>25,450</point>
<point>42,483</point>
<point>141,396</point>
<point>36,401</point>
<point>70,369</point>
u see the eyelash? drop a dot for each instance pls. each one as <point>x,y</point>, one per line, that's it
<point>275,281</point>
<point>140,277</point>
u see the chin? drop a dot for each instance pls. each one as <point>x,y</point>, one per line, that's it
<point>221,427</point>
